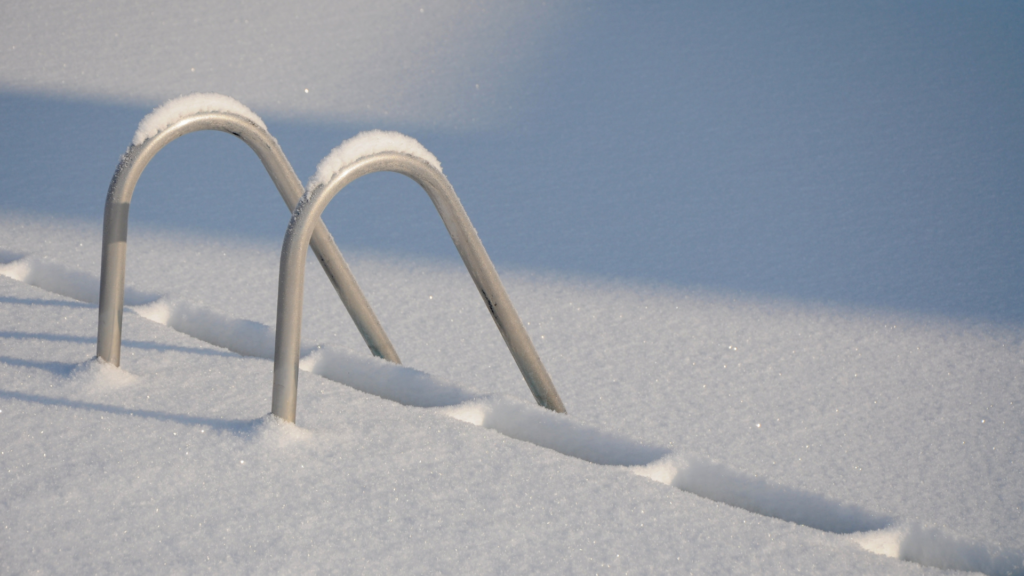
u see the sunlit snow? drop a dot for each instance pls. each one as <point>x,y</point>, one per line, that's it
<point>770,254</point>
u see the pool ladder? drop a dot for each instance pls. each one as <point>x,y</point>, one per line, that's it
<point>307,229</point>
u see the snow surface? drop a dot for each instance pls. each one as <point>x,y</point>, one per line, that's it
<point>365,144</point>
<point>177,108</point>
<point>770,255</point>
<point>396,61</point>
<point>83,383</point>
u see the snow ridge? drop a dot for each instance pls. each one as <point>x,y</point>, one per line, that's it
<point>720,483</point>
<point>59,279</point>
<point>365,144</point>
<point>243,337</point>
<point>177,108</point>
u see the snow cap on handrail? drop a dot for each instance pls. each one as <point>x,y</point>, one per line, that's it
<point>366,144</point>
<point>177,108</point>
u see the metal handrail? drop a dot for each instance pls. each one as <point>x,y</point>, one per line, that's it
<point>115,229</point>
<point>293,266</point>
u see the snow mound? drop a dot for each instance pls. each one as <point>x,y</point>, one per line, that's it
<point>274,432</point>
<point>913,542</point>
<point>99,375</point>
<point>177,108</point>
<point>365,144</point>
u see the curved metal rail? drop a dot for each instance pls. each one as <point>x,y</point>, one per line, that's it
<point>293,266</point>
<point>115,230</point>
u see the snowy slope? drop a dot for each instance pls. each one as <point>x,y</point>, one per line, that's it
<point>770,256</point>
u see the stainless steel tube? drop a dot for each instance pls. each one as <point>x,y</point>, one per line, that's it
<point>293,263</point>
<point>115,230</point>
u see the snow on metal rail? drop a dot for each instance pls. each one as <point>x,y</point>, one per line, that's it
<point>293,262</point>
<point>215,112</point>
<point>192,114</point>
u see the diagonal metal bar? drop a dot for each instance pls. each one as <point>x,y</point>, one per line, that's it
<point>293,266</point>
<point>115,230</point>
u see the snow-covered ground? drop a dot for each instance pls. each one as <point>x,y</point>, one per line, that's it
<point>771,255</point>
